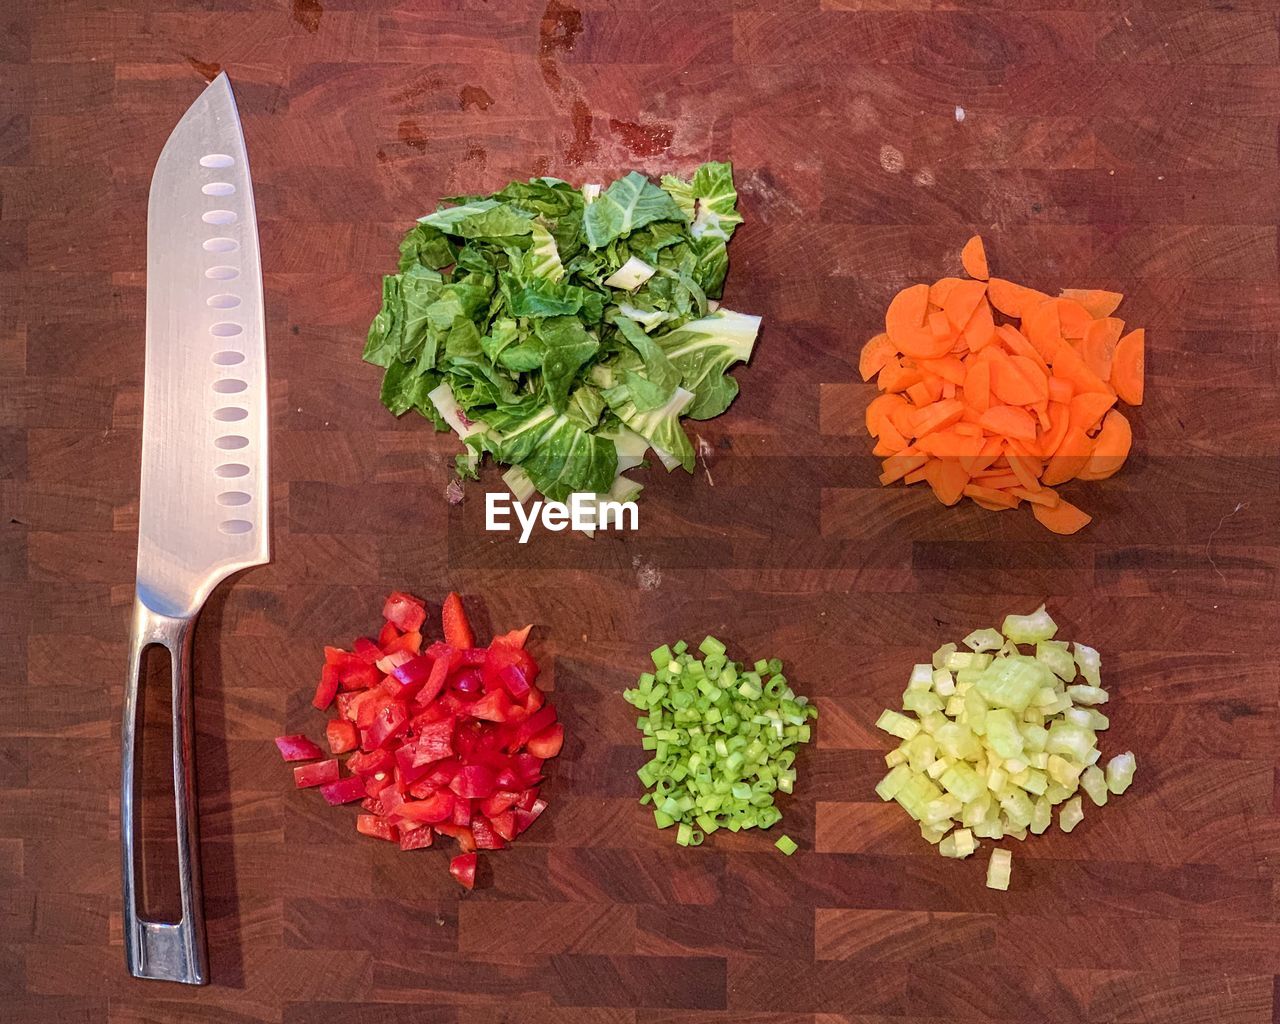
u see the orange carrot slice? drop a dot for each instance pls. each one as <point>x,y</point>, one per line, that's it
<point>917,475</point>
<point>1070,457</point>
<point>1013,299</point>
<point>962,301</point>
<point>999,499</point>
<point>973,257</point>
<point>949,368</point>
<point>1062,518</point>
<point>898,466</point>
<point>1128,367</point>
<point>1099,345</point>
<point>878,412</point>
<point>1110,448</point>
<point>1043,329</point>
<point>1088,409</point>
<point>980,331</point>
<point>977,386</point>
<point>940,289</point>
<point>1017,344</point>
<point>1066,363</point>
<point>907,309</point>
<point>1074,318</point>
<point>897,377</point>
<point>1099,303</point>
<point>1044,496</point>
<point>875,354</point>
<point>938,416</point>
<point>1060,390</point>
<point>1050,437</point>
<point>1009,421</point>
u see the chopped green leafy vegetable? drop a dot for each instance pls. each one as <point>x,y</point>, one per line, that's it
<point>543,324</point>
<point>1001,737</point>
<point>723,740</point>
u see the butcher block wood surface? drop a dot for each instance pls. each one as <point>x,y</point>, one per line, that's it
<point>1121,145</point>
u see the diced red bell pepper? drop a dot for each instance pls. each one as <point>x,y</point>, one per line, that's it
<point>342,736</point>
<point>461,812</point>
<point>415,839</point>
<point>473,657</point>
<point>387,634</point>
<point>366,650</point>
<point>435,742</point>
<point>502,800</point>
<point>405,612</point>
<point>526,818</point>
<point>359,675</point>
<point>297,747</point>
<point>504,824</point>
<point>528,798</point>
<point>388,663</point>
<point>457,630</point>
<point>371,762</point>
<point>468,682</point>
<point>441,665</point>
<point>327,688</point>
<point>391,720</point>
<point>543,718</point>
<point>318,773</point>
<point>475,781</point>
<point>379,828</point>
<point>516,638</point>
<point>463,869</point>
<point>407,773</point>
<point>547,743</point>
<point>374,806</point>
<point>485,836</point>
<point>344,791</point>
<point>406,643</point>
<point>529,769</point>
<point>435,808</point>
<point>466,841</point>
<point>409,677</point>
<point>494,706</point>
<point>510,667</point>
<point>367,710</point>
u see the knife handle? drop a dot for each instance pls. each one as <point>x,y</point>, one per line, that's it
<point>154,949</point>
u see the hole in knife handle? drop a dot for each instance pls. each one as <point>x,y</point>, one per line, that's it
<point>223,301</point>
<point>230,470</point>
<point>231,442</point>
<point>235,526</point>
<point>219,217</point>
<point>230,414</point>
<point>222,273</point>
<point>230,386</point>
<point>155,816</point>
<point>226,330</point>
<point>228,358</point>
<point>221,245</point>
<point>216,160</point>
<point>232,499</point>
<point>219,188</point>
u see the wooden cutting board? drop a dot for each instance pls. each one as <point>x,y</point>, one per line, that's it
<point>1122,146</point>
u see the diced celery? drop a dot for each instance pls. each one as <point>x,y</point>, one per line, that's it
<point>999,869</point>
<point>1087,695</point>
<point>942,653</point>
<point>1041,816</point>
<point>1002,733</point>
<point>963,661</point>
<point>933,834</point>
<point>975,811</point>
<point>786,844</point>
<point>1093,782</point>
<point>938,768</point>
<point>989,829</point>
<point>1029,629</point>
<point>1057,792</point>
<point>1016,832</point>
<point>975,710</point>
<point>1034,737</point>
<point>958,741</point>
<point>984,640</point>
<point>1090,662</point>
<point>962,782</point>
<point>959,844</point>
<point>1017,807</point>
<point>943,809</point>
<point>1070,814</point>
<point>1054,653</point>
<point>1062,771</point>
<point>895,757</point>
<point>897,725</point>
<point>922,751</point>
<point>922,702</point>
<point>1065,738</point>
<point>1039,759</point>
<point>955,706</point>
<point>1017,769</point>
<point>1120,771</point>
<point>1012,682</point>
<point>996,779</point>
<point>921,677</point>
<point>944,683</point>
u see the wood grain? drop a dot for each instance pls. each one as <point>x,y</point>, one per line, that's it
<point>1121,146</point>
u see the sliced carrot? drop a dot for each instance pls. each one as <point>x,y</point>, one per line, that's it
<point>917,475</point>
<point>919,393</point>
<point>940,327</point>
<point>903,418</point>
<point>1071,456</point>
<point>1044,496</point>
<point>907,309</point>
<point>875,354</point>
<point>1099,303</point>
<point>1066,363</point>
<point>1000,481</point>
<point>980,331</point>
<point>891,440</point>
<point>992,449</point>
<point>897,377</point>
<point>1009,421</point>
<point>948,480</point>
<point>1018,345</point>
<point>977,386</point>
<point>1088,409</point>
<point>973,257</point>
<point>1110,448</point>
<point>940,289</point>
<point>1099,345</point>
<point>1060,390</point>
<point>948,368</point>
<point>1073,317</point>
<point>1026,470</point>
<point>898,466</point>
<point>948,443</point>
<point>1050,437</point>
<point>1013,299</point>
<point>1043,329</point>
<point>992,497</point>
<point>1063,517</point>
<point>878,412</point>
<point>1016,380</point>
<point>968,429</point>
<point>962,301</point>
<point>1129,366</point>
<point>938,416</point>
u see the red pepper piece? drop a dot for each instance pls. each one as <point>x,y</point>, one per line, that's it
<point>461,812</point>
<point>297,747</point>
<point>485,836</point>
<point>474,657</point>
<point>463,869</point>
<point>528,798</point>
<point>344,791</point>
<point>543,718</point>
<point>492,707</point>
<point>387,633</point>
<point>327,688</point>
<point>374,806</point>
<point>415,839</point>
<point>525,818</point>
<point>366,650</point>
<point>367,710</point>
<point>358,675</point>
<point>504,824</point>
<point>435,741</point>
<point>457,630</point>
<point>466,841</point>
<point>371,762</point>
<point>405,612</point>
<point>391,720</point>
<point>516,638</point>
<point>409,643</point>
<point>407,773</point>
<point>441,665</point>
<point>529,768</point>
<point>475,781</point>
<point>510,667</point>
<point>342,736</point>
<point>409,677</point>
<point>502,800</point>
<point>547,743</point>
<point>379,828</point>
<point>435,808</point>
<point>319,773</point>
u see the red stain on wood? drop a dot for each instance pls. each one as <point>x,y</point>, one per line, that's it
<point>209,70</point>
<point>647,139</point>
<point>558,31</point>
<point>474,96</point>
<point>583,145</point>
<point>412,135</point>
<point>307,14</point>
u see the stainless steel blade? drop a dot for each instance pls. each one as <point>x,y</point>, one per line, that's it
<point>204,501</point>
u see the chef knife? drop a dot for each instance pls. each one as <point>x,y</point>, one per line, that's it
<point>203,507</point>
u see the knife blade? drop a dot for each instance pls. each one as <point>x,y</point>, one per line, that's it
<point>203,506</point>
